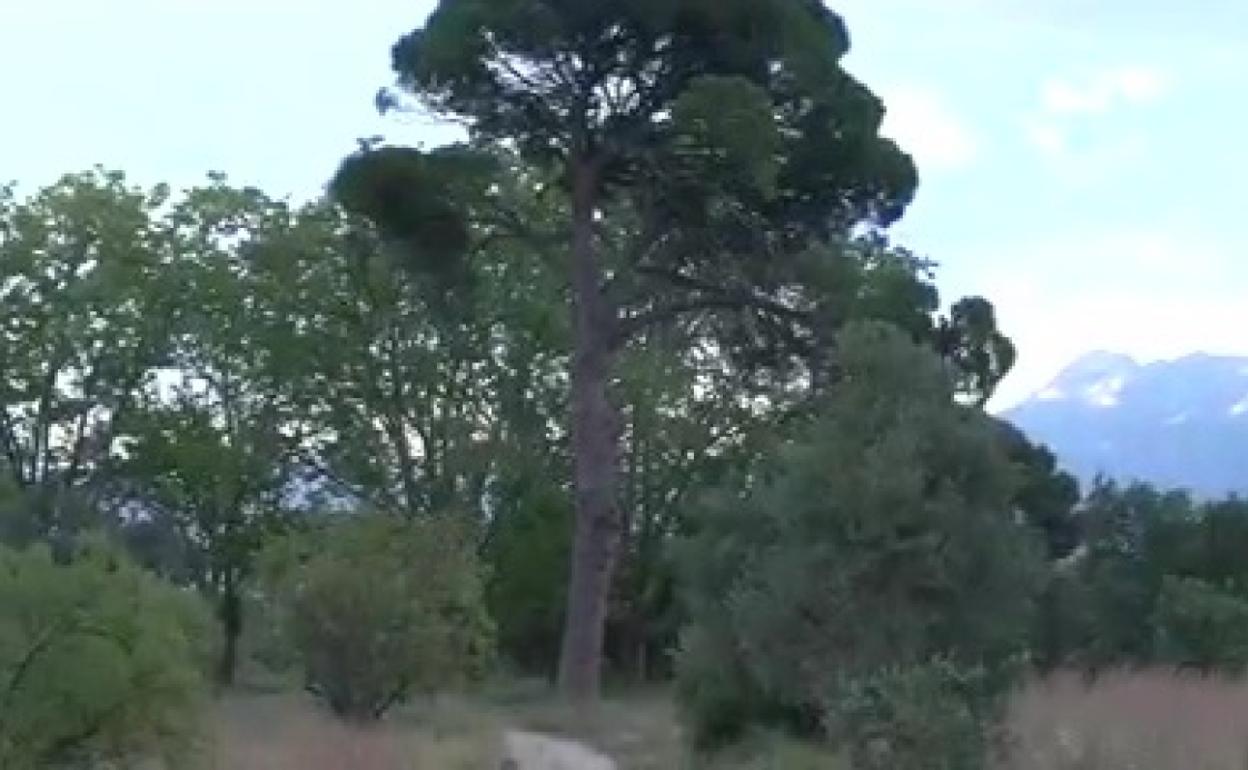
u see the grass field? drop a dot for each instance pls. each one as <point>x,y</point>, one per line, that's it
<point>1127,721</point>
<point>1156,720</point>
<point>276,731</point>
<point>284,731</point>
<point>287,732</point>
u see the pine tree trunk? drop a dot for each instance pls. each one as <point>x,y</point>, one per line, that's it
<point>595,439</point>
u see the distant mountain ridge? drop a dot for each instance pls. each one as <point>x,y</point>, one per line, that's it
<point>1175,424</point>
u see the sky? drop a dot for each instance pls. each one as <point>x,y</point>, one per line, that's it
<point>1082,161</point>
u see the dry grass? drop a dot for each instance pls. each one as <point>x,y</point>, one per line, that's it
<point>1127,721</point>
<point>1157,720</point>
<point>287,731</point>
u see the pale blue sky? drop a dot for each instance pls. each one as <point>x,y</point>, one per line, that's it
<point>1082,160</point>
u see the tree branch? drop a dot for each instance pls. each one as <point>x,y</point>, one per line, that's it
<point>12,451</point>
<point>709,297</point>
<point>65,627</point>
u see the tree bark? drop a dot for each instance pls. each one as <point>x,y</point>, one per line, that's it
<point>596,459</point>
<point>230,613</point>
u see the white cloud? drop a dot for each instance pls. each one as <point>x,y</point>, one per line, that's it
<point>1079,155</point>
<point>1051,332</point>
<point>1104,91</point>
<point>1071,128</point>
<point>1050,138</point>
<point>1153,294</point>
<point>1141,85</point>
<point>925,125</point>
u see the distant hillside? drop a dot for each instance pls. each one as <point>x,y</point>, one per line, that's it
<point>1181,423</point>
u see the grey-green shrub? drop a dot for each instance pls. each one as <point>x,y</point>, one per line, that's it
<point>381,608</point>
<point>927,716</point>
<point>100,661</point>
<point>882,537</point>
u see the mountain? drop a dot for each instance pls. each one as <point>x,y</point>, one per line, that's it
<point>1181,423</point>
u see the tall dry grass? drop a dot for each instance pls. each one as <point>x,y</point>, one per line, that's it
<point>1155,720</point>
<point>1152,720</point>
<point>286,731</point>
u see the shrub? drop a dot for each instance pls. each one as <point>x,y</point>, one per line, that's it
<point>1064,632</point>
<point>99,661</point>
<point>929,716</point>
<point>881,537</point>
<point>715,690</point>
<point>381,608</point>
<point>1198,625</point>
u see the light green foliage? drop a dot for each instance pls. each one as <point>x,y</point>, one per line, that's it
<point>1198,625</point>
<point>1160,577</point>
<point>82,321</point>
<point>98,661</point>
<point>528,556</point>
<point>1134,537</point>
<point>691,423</point>
<point>925,716</point>
<point>429,395</point>
<point>381,609</point>
<point>414,391</point>
<point>212,486</point>
<point>211,443</point>
<point>882,536</point>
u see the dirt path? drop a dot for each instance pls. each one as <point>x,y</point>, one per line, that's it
<point>533,751</point>
<point>286,731</point>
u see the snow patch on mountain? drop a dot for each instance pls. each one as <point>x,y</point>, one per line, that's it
<point>1050,394</point>
<point>1176,424</point>
<point>1104,393</point>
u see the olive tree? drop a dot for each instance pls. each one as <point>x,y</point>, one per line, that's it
<point>880,539</point>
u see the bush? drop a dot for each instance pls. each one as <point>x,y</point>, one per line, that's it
<point>881,537</point>
<point>715,690</point>
<point>381,608</point>
<point>1198,625</point>
<point>99,661</point>
<point>1064,634</point>
<point>929,716</point>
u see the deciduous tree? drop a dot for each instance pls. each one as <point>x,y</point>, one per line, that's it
<point>84,320</point>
